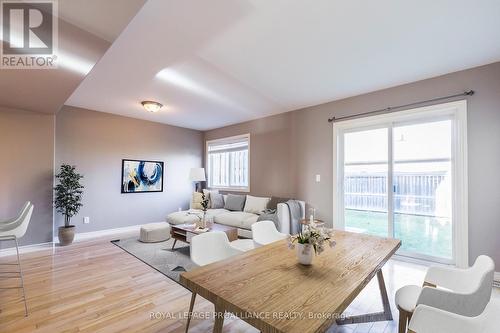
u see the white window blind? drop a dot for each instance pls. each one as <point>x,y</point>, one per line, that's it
<point>228,162</point>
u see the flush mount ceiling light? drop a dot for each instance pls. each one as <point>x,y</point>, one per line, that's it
<point>151,106</point>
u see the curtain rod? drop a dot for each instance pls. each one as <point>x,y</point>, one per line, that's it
<point>393,108</point>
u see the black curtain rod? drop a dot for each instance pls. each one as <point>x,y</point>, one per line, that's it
<point>393,108</point>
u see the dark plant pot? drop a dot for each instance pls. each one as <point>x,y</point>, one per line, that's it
<point>66,235</point>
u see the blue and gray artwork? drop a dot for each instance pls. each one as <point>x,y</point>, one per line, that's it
<point>142,176</point>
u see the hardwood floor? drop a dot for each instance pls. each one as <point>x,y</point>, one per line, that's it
<point>94,286</point>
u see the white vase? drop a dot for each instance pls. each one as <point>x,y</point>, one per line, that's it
<point>305,254</point>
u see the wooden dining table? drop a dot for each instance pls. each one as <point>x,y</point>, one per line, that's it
<point>270,290</point>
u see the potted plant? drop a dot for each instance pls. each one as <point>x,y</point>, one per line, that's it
<point>312,238</point>
<point>68,200</point>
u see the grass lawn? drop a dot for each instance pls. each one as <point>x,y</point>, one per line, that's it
<point>422,234</point>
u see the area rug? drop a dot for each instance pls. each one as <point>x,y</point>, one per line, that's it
<point>160,256</point>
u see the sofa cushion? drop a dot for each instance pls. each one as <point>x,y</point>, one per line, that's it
<point>217,200</point>
<point>236,219</point>
<point>192,215</point>
<point>235,202</point>
<point>255,205</point>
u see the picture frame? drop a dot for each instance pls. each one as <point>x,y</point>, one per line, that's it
<point>142,176</point>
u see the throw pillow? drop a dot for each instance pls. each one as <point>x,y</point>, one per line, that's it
<point>208,195</point>
<point>197,199</point>
<point>235,202</point>
<point>217,200</point>
<point>256,205</point>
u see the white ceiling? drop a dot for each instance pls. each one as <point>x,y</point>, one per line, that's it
<point>103,18</point>
<point>215,63</point>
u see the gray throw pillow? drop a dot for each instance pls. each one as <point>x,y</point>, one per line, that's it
<point>235,202</point>
<point>217,200</point>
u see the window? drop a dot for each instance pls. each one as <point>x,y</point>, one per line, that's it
<point>228,163</point>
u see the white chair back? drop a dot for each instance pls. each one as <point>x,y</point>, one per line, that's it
<point>17,227</point>
<point>12,230</point>
<point>265,232</point>
<point>211,247</point>
<point>481,276</point>
<point>427,319</point>
<point>20,231</point>
<point>18,216</point>
<point>470,290</point>
<point>25,207</point>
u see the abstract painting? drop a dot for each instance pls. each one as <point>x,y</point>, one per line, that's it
<point>142,176</point>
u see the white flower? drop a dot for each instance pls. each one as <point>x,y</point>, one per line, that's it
<point>313,236</point>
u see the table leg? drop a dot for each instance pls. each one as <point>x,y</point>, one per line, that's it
<point>190,313</point>
<point>383,294</point>
<point>175,241</point>
<point>371,317</point>
<point>219,319</point>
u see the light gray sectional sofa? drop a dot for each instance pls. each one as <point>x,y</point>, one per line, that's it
<point>242,220</point>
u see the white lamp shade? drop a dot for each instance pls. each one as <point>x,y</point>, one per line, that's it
<point>197,175</point>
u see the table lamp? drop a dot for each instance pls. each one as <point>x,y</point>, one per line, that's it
<point>197,175</point>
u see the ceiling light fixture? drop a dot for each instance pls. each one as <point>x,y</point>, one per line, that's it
<point>151,106</point>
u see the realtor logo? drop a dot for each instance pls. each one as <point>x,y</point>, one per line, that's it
<point>29,34</point>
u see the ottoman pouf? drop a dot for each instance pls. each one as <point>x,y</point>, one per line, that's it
<point>155,232</point>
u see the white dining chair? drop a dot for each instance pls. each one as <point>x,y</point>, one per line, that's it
<point>211,247</point>
<point>465,292</point>
<point>12,230</point>
<point>208,248</point>
<point>265,232</point>
<point>427,319</point>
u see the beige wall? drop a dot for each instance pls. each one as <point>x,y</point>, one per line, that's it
<point>96,143</point>
<point>270,170</point>
<point>26,170</point>
<point>310,147</point>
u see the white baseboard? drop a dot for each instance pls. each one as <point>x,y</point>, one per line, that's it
<point>11,251</point>
<point>78,238</point>
<point>417,261</point>
<point>82,236</point>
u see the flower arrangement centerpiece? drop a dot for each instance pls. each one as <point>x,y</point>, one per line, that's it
<point>311,240</point>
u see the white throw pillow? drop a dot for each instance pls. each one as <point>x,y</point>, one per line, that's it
<point>255,205</point>
<point>207,195</point>
<point>196,201</point>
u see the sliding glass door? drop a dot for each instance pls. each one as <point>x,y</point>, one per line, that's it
<point>397,180</point>
<point>365,181</point>
<point>422,188</point>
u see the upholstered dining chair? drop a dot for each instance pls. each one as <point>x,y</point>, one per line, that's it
<point>265,232</point>
<point>208,248</point>
<point>427,319</point>
<point>12,230</point>
<point>464,292</point>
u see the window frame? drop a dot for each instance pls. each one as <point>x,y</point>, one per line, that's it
<point>457,112</point>
<point>245,189</point>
